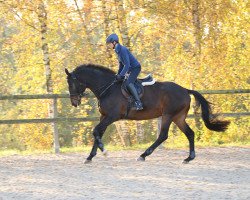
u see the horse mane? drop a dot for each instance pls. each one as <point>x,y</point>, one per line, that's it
<point>93,67</point>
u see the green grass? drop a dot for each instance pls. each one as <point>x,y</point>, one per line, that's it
<point>11,152</point>
<point>87,149</point>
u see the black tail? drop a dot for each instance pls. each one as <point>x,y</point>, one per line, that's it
<point>209,119</point>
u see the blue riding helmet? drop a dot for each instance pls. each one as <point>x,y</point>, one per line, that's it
<point>113,37</point>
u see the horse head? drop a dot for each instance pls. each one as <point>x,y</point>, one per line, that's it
<point>76,88</point>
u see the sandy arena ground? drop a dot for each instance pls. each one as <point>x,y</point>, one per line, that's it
<point>216,173</point>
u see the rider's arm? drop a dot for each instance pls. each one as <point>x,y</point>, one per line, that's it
<point>120,67</point>
<point>125,59</point>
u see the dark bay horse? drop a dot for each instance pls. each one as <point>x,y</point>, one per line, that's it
<point>165,99</point>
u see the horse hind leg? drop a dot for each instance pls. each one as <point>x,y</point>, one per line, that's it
<point>166,121</point>
<point>183,126</point>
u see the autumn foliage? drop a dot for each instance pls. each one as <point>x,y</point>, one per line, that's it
<point>199,44</point>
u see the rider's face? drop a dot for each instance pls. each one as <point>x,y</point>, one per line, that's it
<point>111,45</point>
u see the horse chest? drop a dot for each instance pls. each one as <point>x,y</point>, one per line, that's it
<point>102,111</point>
<point>103,108</point>
<point>112,105</point>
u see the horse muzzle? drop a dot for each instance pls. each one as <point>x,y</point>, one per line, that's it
<point>75,100</point>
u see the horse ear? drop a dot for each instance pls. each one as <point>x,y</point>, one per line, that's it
<point>67,71</point>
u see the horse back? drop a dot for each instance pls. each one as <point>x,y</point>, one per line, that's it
<point>165,98</point>
<point>158,99</point>
<point>166,90</point>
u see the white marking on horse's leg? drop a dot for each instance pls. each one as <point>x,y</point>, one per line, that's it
<point>105,152</point>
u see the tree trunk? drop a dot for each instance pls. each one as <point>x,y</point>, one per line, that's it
<point>140,132</point>
<point>42,17</point>
<point>89,48</point>
<point>106,30</point>
<point>122,24</point>
<point>197,52</point>
<point>121,126</point>
<point>197,28</point>
<point>123,28</point>
<point>123,133</point>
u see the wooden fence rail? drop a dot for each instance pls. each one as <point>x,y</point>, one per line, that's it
<point>58,96</point>
<point>87,119</point>
<point>56,119</point>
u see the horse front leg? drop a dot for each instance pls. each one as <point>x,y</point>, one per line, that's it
<point>98,133</point>
<point>92,153</point>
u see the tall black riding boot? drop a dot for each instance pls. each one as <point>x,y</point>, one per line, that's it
<point>133,91</point>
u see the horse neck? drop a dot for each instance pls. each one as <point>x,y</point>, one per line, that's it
<point>97,82</point>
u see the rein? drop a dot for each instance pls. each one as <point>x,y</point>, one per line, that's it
<point>81,84</point>
<point>106,89</point>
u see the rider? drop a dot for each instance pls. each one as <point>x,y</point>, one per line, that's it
<point>127,64</point>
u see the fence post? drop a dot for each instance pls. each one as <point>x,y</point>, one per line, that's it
<point>55,128</point>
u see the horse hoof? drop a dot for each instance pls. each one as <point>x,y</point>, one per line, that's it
<point>140,159</point>
<point>87,161</point>
<point>105,152</point>
<point>185,161</point>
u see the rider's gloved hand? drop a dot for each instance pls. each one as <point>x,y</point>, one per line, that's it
<point>119,78</point>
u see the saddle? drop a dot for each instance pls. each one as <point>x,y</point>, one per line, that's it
<point>139,85</point>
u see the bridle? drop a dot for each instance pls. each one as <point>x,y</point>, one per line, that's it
<point>77,94</point>
<point>81,94</point>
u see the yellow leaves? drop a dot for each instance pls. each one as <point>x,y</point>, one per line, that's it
<point>162,37</point>
<point>35,136</point>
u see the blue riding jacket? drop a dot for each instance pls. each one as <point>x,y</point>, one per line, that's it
<point>126,60</point>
